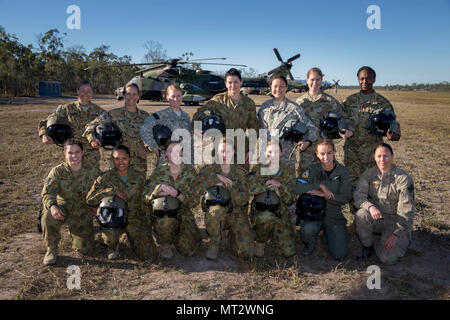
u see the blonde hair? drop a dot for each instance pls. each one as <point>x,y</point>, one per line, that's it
<point>316,71</point>
<point>173,87</point>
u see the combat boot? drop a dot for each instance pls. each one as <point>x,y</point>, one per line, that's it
<point>166,252</point>
<point>308,249</point>
<point>259,249</point>
<point>366,252</point>
<point>113,254</point>
<point>51,256</point>
<point>212,252</point>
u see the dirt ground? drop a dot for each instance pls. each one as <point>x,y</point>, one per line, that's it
<point>423,273</point>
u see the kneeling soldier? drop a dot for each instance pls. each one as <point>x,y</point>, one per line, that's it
<point>384,197</point>
<point>221,182</point>
<point>272,193</point>
<point>171,193</point>
<point>330,180</point>
<point>125,185</point>
<point>63,199</point>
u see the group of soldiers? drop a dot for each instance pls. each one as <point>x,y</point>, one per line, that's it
<point>247,202</point>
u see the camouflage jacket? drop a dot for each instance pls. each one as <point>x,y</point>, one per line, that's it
<point>318,105</point>
<point>129,124</point>
<point>76,116</point>
<point>241,115</point>
<point>391,192</point>
<point>239,191</point>
<point>67,191</point>
<point>285,175</point>
<point>166,117</point>
<point>338,183</point>
<point>109,183</point>
<point>274,116</point>
<point>358,108</point>
<point>186,183</point>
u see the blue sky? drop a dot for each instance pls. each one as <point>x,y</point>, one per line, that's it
<point>413,44</point>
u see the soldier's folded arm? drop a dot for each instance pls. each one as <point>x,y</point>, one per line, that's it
<point>344,193</point>
<point>98,191</point>
<point>50,190</point>
<point>302,186</point>
<point>146,132</point>
<point>405,206</point>
<point>361,194</point>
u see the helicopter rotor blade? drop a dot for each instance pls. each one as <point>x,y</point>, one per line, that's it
<point>293,58</point>
<point>277,54</point>
<point>221,64</point>
<point>208,59</point>
<point>290,75</point>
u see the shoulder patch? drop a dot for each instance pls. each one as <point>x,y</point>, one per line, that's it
<point>301,180</point>
<point>305,174</point>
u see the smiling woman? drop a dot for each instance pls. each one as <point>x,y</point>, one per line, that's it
<point>64,202</point>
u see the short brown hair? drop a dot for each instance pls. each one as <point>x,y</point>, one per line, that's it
<point>72,142</point>
<point>325,142</point>
<point>314,70</point>
<point>383,145</point>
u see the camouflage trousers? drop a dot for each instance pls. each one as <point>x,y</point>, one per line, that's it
<point>375,232</point>
<point>358,158</point>
<point>280,230</point>
<point>183,233</point>
<point>334,236</point>
<point>217,220</point>
<point>80,227</point>
<point>139,234</point>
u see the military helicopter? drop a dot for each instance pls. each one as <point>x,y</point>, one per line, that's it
<point>197,84</point>
<point>261,85</point>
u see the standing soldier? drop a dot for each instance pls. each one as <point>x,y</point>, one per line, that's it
<point>238,111</point>
<point>317,104</point>
<point>330,180</point>
<point>225,202</point>
<point>172,194</point>
<point>173,117</point>
<point>275,113</point>
<point>359,108</point>
<point>384,197</point>
<point>272,194</point>
<point>129,120</point>
<point>127,184</point>
<point>78,114</point>
<point>64,202</point>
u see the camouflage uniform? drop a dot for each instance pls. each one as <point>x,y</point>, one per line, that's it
<point>166,117</point>
<point>266,224</point>
<point>78,116</point>
<point>273,115</point>
<point>334,223</point>
<point>139,228</point>
<point>393,194</point>
<point>182,230</point>
<point>217,220</point>
<point>359,148</point>
<point>68,191</point>
<point>241,115</point>
<point>129,124</point>
<point>315,107</point>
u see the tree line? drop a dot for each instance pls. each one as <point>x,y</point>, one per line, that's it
<point>22,67</point>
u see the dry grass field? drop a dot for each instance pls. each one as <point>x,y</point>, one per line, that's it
<point>423,151</point>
